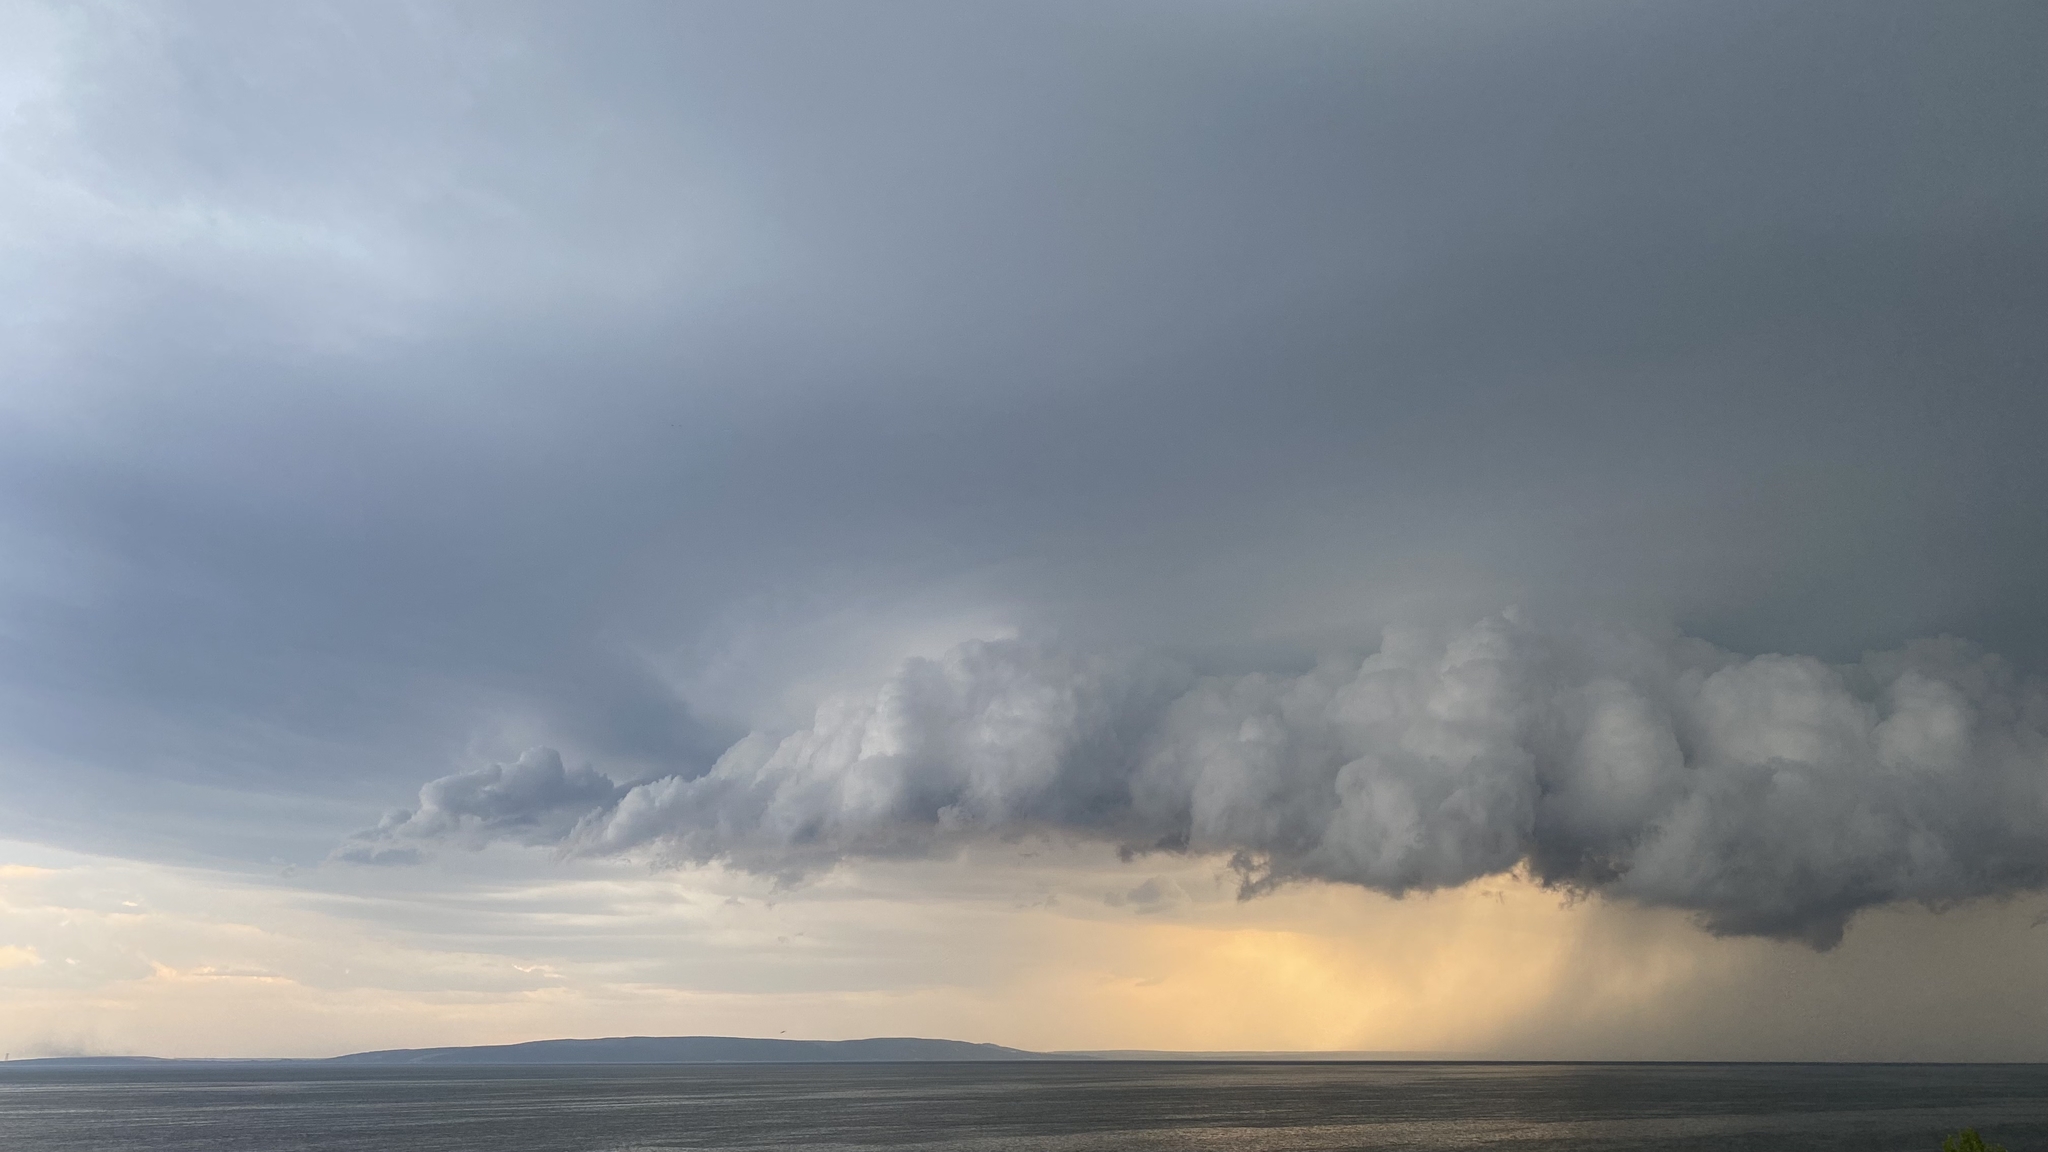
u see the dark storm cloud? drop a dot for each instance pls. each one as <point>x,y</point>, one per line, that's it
<point>393,388</point>
<point>1772,795</point>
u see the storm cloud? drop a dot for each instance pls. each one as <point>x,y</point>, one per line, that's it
<point>998,411</point>
<point>1772,795</point>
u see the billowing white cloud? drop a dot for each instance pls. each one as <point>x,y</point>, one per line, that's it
<point>1771,795</point>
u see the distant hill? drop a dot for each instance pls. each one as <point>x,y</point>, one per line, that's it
<point>698,1050</point>
<point>738,1050</point>
<point>106,1061</point>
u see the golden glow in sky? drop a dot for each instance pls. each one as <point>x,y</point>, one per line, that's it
<point>1042,947</point>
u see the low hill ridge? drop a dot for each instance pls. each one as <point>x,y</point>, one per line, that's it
<point>697,1050</point>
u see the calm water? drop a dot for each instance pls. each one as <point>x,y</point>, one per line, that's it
<point>1022,1107</point>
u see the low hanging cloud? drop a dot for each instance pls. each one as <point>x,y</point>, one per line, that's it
<point>1770,795</point>
<point>532,801</point>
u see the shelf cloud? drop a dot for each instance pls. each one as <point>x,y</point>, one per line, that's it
<point>1771,795</point>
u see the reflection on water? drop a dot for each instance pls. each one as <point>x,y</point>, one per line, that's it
<point>1056,1107</point>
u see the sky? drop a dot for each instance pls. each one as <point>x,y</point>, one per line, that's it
<point>1498,530</point>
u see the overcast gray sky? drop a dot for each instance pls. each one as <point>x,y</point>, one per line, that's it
<point>403,393</point>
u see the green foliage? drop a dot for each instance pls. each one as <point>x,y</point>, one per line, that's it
<point>1968,1141</point>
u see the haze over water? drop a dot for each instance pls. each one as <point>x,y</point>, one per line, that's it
<point>1057,1107</point>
